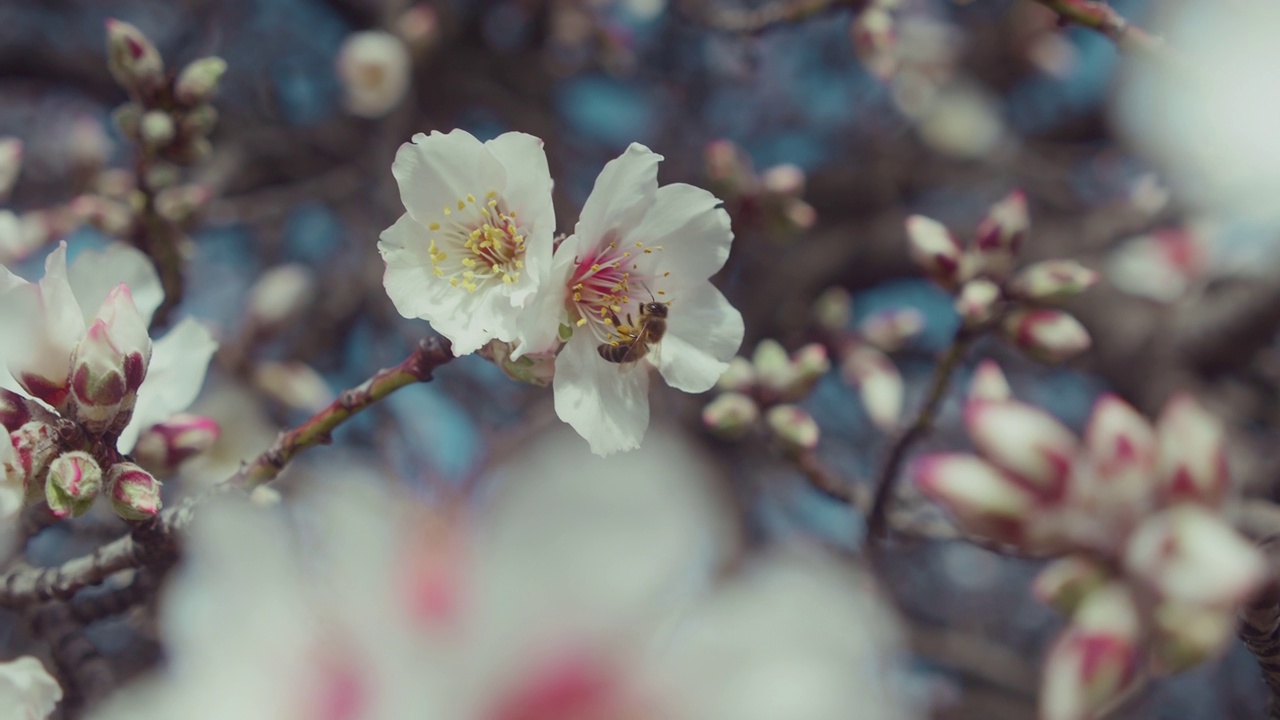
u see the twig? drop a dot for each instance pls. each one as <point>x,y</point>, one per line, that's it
<point>1260,631</point>
<point>1101,17</point>
<point>887,479</point>
<point>751,21</point>
<point>86,610</point>
<point>87,677</point>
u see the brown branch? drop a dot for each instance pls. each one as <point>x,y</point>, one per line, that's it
<point>87,677</point>
<point>1260,631</point>
<point>1102,18</point>
<point>751,21</point>
<point>86,610</point>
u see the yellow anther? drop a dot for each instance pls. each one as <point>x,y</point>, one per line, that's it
<point>440,257</point>
<point>453,282</point>
<point>491,194</point>
<point>469,262</point>
<point>508,279</point>
<point>471,198</point>
<point>461,205</point>
<point>648,250</point>
<point>519,263</point>
<point>434,226</point>
<point>438,272</point>
<point>493,203</point>
<point>666,274</point>
<point>640,244</point>
<point>595,268</point>
<point>447,211</point>
<point>577,297</point>
<point>581,322</point>
<point>626,254</point>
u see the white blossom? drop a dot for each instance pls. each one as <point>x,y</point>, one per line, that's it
<point>27,690</point>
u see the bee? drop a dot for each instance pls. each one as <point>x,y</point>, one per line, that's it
<point>638,337</point>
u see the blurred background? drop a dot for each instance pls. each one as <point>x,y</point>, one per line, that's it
<point>820,143</point>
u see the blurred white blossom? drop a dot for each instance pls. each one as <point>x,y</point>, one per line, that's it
<point>374,69</point>
<point>27,690</point>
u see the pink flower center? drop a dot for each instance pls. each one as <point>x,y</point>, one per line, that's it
<point>603,289</point>
<point>479,243</point>
<point>570,687</point>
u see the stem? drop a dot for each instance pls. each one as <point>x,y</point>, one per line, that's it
<point>1260,631</point>
<point>1102,18</point>
<point>889,471</point>
<point>752,21</point>
<point>158,239</point>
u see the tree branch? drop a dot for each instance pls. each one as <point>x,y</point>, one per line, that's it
<point>752,21</point>
<point>1102,18</point>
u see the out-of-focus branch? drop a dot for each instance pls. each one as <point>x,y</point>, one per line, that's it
<point>85,610</point>
<point>749,21</point>
<point>1260,631</point>
<point>1230,324</point>
<point>87,677</point>
<point>1102,18</point>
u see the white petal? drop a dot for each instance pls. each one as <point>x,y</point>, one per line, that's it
<point>538,325</point>
<point>178,364</point>
<point>404,248</point>
<point>40,323</point>
<point>27,690</point>
<point>528,187</point>
<point>441,169</point>
<point>623,193</point>
<point>607,403</point>
<point>703,333</point>
<point>693,232</point>
<point>94,273</point>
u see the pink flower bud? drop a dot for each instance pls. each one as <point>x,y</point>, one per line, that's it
<point>298,385</point>
<point>164,446</point>
<point>10,163</point>
<point>740,377</point>
<point>793,426</point>
<point>1190,555</point>
<point>833,310</point>
<point>809,364</point>
<point>1065,582</point>
<point>1094,659</point>
<point>133,61</point>
<point>73,484</point>
<point>786,180</point>
<point>374,70</point>
<point>890,329</point>
<point>984,501</point>
<point>875,41</point>
<point>280,295</point>
<point>977,302</point>
<point>1118,437</point>
<point>135,494</point>
<point>110,363</point>
<point>879,384</point>
<point>1050,336</point>
<point>15,410</point>
<point>419,26</point>
<point>36,444</point>
<point>934,249</point>
<point>1001,234</point>
<point>110,216</point>
<point>182,203</point>
<point>1052,280</point>
<point>1024,440</point>
<point>1193,457</point>
<point>1187,635</point>
<point>731,415</point>
<point>989,383</point>
<point>773,368</point>
<point>198,81</point>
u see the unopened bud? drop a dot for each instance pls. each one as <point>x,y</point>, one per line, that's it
<point>977,301</point>
<point>989,383</point>
<point>280,295</point>
<point>181,204</point>
<point>891,329</point>
<point>135,494</point>
<point>374,69</point>
<point>73,484</point>
<point>110,216</point>
<point>128,119</point>
<point>1052,280</point>
<point>731,415</point>
<point>1001,234</point>
<point>36,445</point>
<point>810,363</point>
<point>10,163</point>
<point>164,446</point>
<point>1188,554</point>
<point>982,500</point>
<point>110,362</point>
<point>537,369</point>
<point>133,61</point>
<point>199,121</point>
<point>298,386</point>
<point>157,129</point>
<point>1096,657</point>
<point>1187,635</point>
<point>1050,336</point>
<point>934,249</point>
<point>419,27</point>
<point>772,366</point>
<point>1024,440</point>
<point>793,426</point>
<point>198,81</point>
<point>1066,581</point>
<point>833,309</point>
<point>786,180</point>
<point>879,384</point>
<point>740,377</point>
<point>800,214</point>
<point>1193,453</point>
<point>875,41</point>
<point>15,410</point>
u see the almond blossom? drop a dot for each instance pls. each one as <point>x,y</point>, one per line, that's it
<point>1136,512</point>
<point>77,341</point>
<point>27,690</point>
<point>636,247</point>
<point>558,597</point>
<point>474,244</point>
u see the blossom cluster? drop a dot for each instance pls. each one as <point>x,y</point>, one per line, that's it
<point>475,255</point>
<point>1150,572</point>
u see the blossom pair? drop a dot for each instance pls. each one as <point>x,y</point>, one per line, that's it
<point>475,255</point>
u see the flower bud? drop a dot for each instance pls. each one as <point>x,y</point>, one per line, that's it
<point>280,295</point>
<point>374,70</point>
<point>983,501</point>
<point>989,383</point>
<point>1188,554</point>
<point>73,484</point>
<point>890,329</point>
<point>740,377</point>
<point>793,426</point>
<point>878,382</point>
<point>875,41</point>
<point>537,369</point>
<point>419,27</point>
<point>1024,440</point>
<point>786,180</point>
<point>1193,456</point>
<point>198,81</point>
<point>36,445</point>
<point>12,470</point>
<point>934,249</point>
<point>1187,635</point>
<point>1050,336</point>
<point>110,216</point>
<point>135,494</point>
<point>199,121</point>
<point>1065,582</point>
<point>15,410</point>
<point>1095,658</point>
<point>809,364</point>
<point>164,446</point>
<point>1052,280</point>
<point>730,415</point>
<point>977,302</point>
<point>128,119</point>
<point>10,163</point>
<point>180,204</point>
<point>1000,235</point>
<point>298,386</point>
<point>833,309</point>
<point>133,61</point>
<point>157,129</point>
<point>773,368</point>
<point>1122,449</point>
<point>110,363</point>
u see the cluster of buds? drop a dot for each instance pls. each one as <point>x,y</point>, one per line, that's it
<point>768,386</point>
<point>1150,572</point>
<point>773,198</point>
<point>875,39</point>
<point>988,291</point>
<point>164,446</point>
